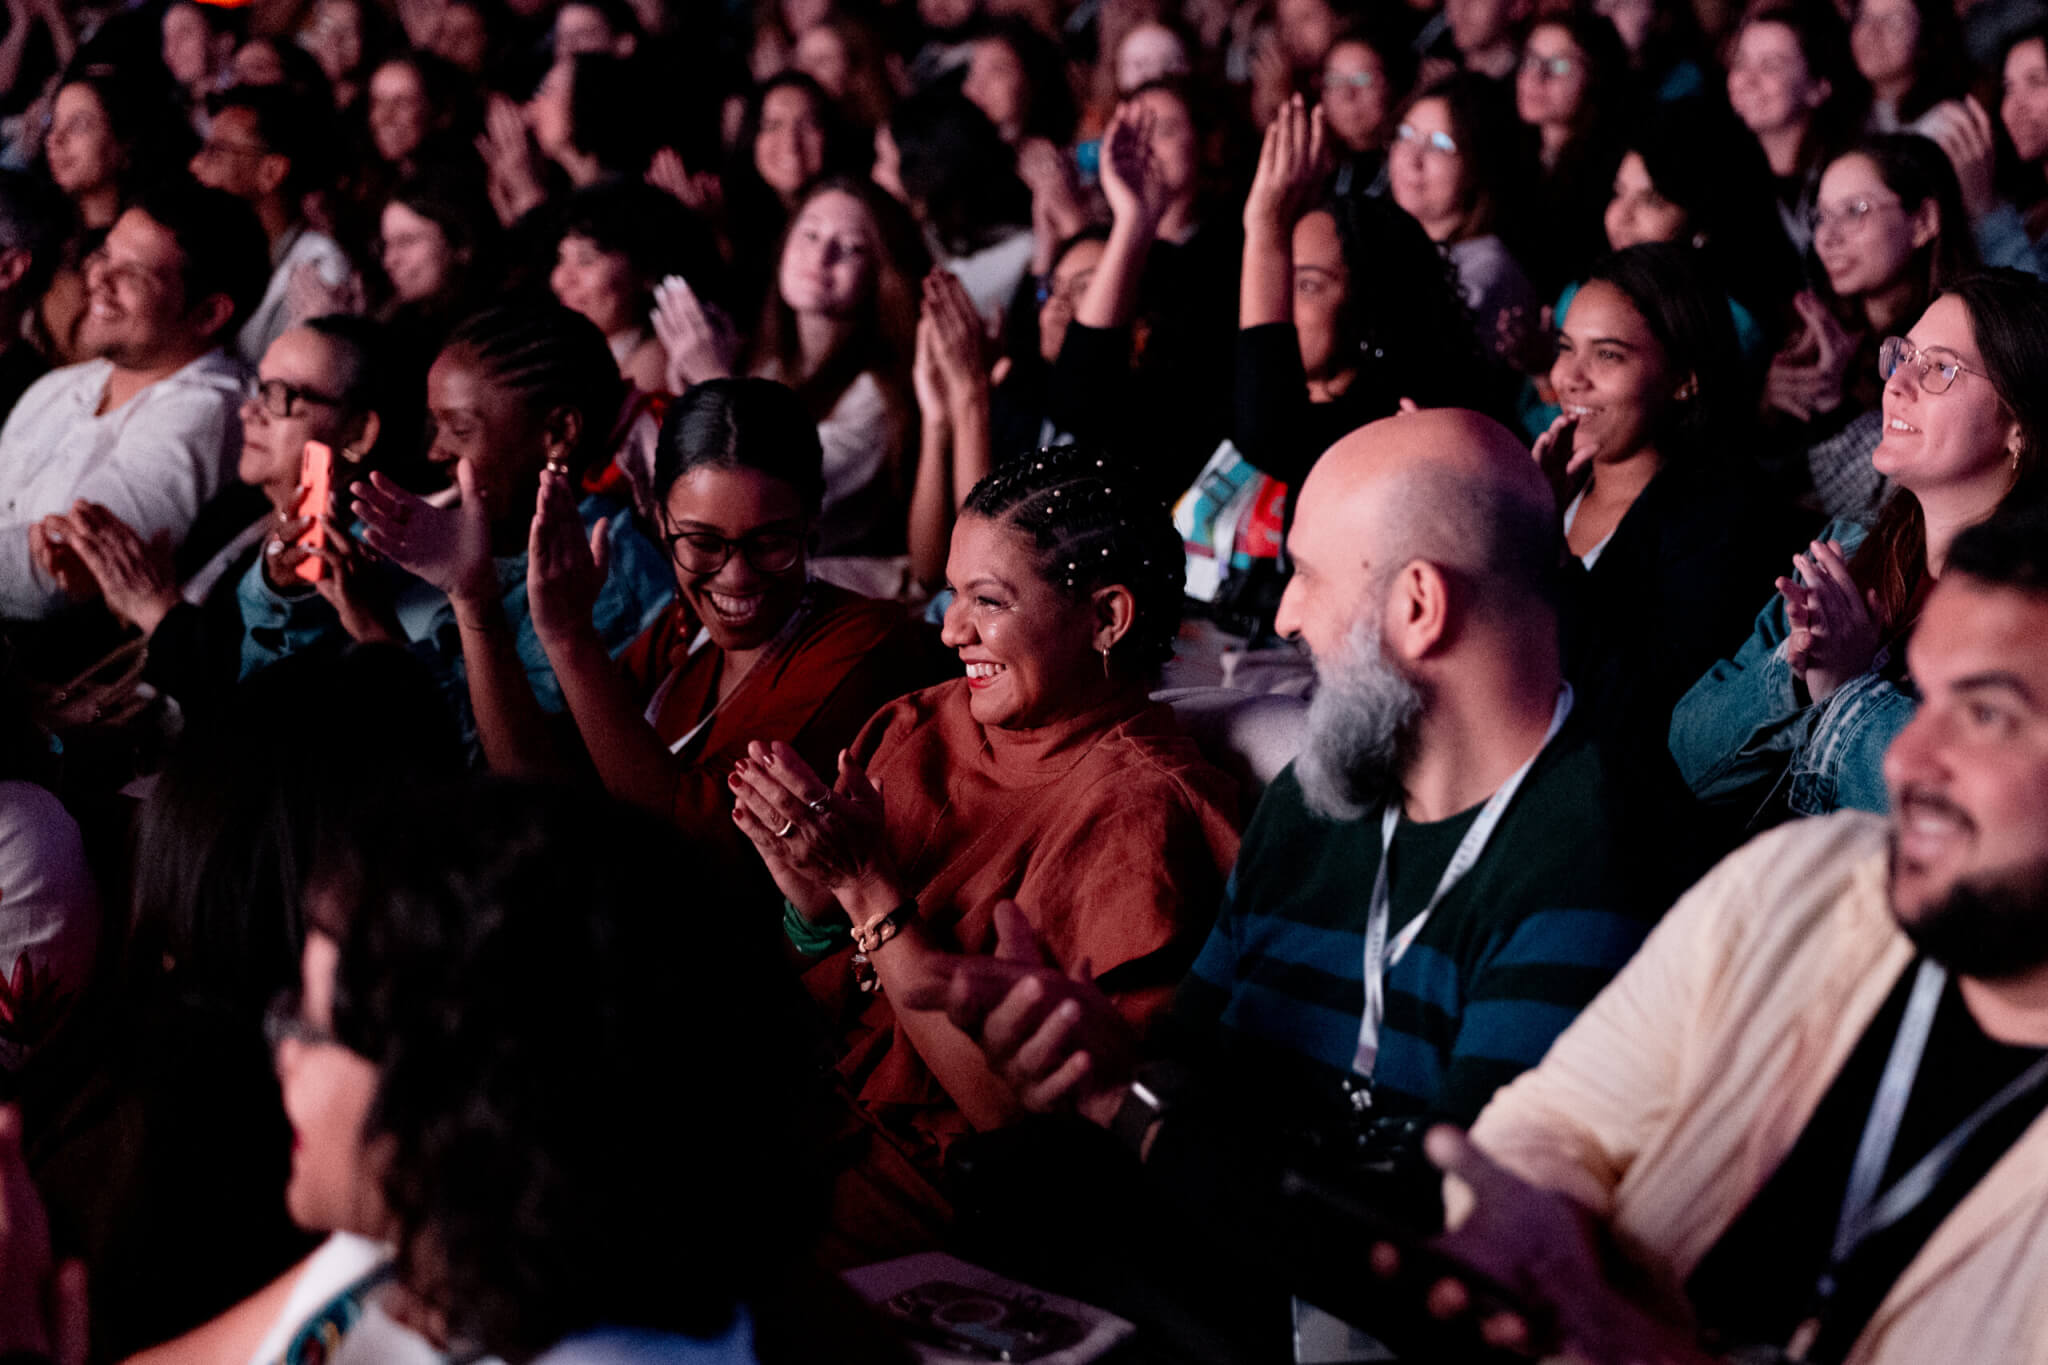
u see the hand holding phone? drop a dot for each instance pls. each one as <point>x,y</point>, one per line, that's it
<point>316,474</point>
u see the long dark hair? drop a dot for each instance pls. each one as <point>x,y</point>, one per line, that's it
<point>1917,170</point>
<point>958,171</point>
<point>754,424</point>
<point>1497,148</point>
<point>1940,70</point>
<point>1403,314</point>
<point>513,963</point>
<point>2009,319</point>
<point>1824,42</point>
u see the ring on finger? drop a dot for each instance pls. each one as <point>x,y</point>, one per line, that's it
<point>784,832</point>
<point>821,805</point>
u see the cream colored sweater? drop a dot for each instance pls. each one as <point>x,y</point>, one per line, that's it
<point>1670,1101</point>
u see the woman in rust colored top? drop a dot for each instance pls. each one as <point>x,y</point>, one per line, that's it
<point>751,649</point>
<point>1046,776</point>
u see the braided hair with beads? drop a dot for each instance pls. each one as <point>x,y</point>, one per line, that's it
<point>556,360</point>
<point>1093,524</point>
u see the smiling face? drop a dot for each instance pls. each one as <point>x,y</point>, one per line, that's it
<point>597,283</point>
<point>790,147</point>
<point>1029,648</point>
<point>828,263</point>
<point>1968,779</point>
<point>1865,237</point>
<point>473,417</point>
<point>1426,180</point>
<point>1355,95</point>
<point>188,44</point>
<point>415,253</point>
<point>1951,440</point>
<point>739,603</point>
<point>1770,87</point>
<point>336,1174</point>
<point>80,148</point>
<point>135,296</point>
<point>398,111</point>
<point>273,448</point>
<point>2025,107</point>
<point>1610,372</point>
<point>1551,82</point>
<point>1637,213</point>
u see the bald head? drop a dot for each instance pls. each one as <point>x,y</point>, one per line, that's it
<point>1447,486</point>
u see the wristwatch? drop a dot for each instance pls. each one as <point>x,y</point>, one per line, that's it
<point>1141,1108</point>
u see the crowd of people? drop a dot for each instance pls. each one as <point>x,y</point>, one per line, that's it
<point>1355,680</point>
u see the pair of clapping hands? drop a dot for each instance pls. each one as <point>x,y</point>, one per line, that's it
<point>1059,1043</point>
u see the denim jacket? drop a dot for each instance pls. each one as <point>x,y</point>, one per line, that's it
<point>638,586</point>
<point>1741,736</point>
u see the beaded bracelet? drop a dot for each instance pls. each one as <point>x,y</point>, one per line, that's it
<point>813,940</point>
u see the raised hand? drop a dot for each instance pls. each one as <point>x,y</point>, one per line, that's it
<point>1564,460</point>
<point>1807,377</point>
<point>308,295</point>
<point>1834,629</point>
<point>514,180</point>
<point>1054,202</point>
<point>959,338</point>
<point>927,380</point>
<point>831,837</point>
<point>1962,129</point>
<point>699,340</point>
<point>448,547</point>
<point>700,193</point>
<point>1293,164</point>
<point>564,571</point>
<point>1130,174</point>
<point>135,576</point>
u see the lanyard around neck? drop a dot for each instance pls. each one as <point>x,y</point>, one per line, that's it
<point>1865,1210</point>
<point>1380,956</point>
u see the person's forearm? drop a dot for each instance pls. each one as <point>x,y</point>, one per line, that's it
<point>1111,299</point>
<point>630,758</point>
<point>932,503</point>
<point>971,462</point>
<point>1265,291</point>
<point>510,723</point>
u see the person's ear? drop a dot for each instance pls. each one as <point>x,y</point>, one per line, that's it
<point>560,432</point>
<point>212,315</point>
<point>1115,610</point>
<point>1925,223</point>
<point>1687,390</point>
<point>272,171</point>
<point>364,439</point>
<point>1418,610</point>
<point>1818,93</point>
<point>14,267</point>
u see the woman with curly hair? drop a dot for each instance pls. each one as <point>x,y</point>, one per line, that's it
<point>1046,776</point>
<point>481,1072</point>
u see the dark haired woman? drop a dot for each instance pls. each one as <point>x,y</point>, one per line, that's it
<point>790,135</point>
<point>329,380</point>
<point>1046,776</point>
<point>1366,76</point>
<point>588,119</point>
<point>1791,82</point>
<point>942,157</point>
<point>1017,76</point>
<point>516,389</point>
<point>1911,53</point>
<point>1661,505</point>
<point>153,1125</point>
<point>437,244</point>
<point>1890,231</point>
<point>1797,722</point>
<point>1572,88</point>
<point>618,241</point>
<point>1457,167</point>
<point>751,649</point>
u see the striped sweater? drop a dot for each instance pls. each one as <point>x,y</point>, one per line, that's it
<point>1585,858</point>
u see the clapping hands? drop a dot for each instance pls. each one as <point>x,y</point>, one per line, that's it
<point>1807,377</point>
<point>1834,624</point>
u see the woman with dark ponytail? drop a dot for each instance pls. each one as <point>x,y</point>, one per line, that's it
<point>1046,778</point>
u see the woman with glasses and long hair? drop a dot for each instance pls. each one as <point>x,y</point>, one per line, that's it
<point>1889,231</point>
<point>1797,722</point>
<point>751,649</point>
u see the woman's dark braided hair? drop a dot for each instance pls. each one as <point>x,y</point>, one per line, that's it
<point>555,359</point>
<point>1093,524</point>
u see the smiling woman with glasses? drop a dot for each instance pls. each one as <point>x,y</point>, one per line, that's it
<point>1798,721</point>
<point>752,649</point>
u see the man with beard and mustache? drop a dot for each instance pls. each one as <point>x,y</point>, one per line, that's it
<point>151,426</point>
<point>1811,1107</point>
<point>1524,863</point>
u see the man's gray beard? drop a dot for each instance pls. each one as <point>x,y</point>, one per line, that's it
<point>1358,728</point>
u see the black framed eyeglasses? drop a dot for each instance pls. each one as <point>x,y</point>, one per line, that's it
<point>768,550</point>
<point>284,1020</point>
<point>281,399</point>
<point>1935,371</point>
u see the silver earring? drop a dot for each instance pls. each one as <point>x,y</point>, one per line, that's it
<point>1105,663</point>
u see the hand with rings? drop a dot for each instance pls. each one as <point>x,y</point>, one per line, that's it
<point>822,838</point>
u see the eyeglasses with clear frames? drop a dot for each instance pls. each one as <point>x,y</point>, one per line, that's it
<point>1438,141</point>
<point>1352,80</point>
<point>1851,215</point>
<point>1549,68</point>
<point>706,552</point>
<point>1936,371</point>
